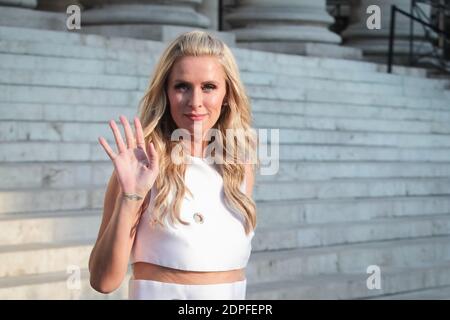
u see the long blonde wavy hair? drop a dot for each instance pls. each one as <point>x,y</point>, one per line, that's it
<point>158,125</point>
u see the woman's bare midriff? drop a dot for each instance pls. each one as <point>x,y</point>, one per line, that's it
<point>149,271</point>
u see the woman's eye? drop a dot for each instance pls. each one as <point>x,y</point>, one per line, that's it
<point>210,86</point>
<point>179,86</point>
<point>184,86</point>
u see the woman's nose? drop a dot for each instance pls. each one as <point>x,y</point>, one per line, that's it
<point>196,98</point>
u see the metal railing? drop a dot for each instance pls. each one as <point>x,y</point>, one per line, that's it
<point>440,45</point>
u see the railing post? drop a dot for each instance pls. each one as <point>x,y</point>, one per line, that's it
<point>411,31</point>
<point>220,22</point>
<point>391,38</point>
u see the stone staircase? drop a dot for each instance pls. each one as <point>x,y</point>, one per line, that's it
<point>364,173</point>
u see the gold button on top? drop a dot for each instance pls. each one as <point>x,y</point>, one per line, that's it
<point>198,217</point>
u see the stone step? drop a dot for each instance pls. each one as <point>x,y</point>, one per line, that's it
<point>22,42</point>
<point>335,233</point>
<point>114,67</point>
<point>70,174</point>
<point>55,42</point>
<point>38,94</point>
<point>361,76</point>
<point>317,211</point>
<point>403,70</point>
<point>100,81</point>
<point>331,152</point>
<point>353,286</point>
<point>337,110</point>
<point>294,212</point>
<point>37,258</point>
<point>77,151</point>
<point>325,170</point>
<point>28,259</point>
<point>84,225</point>
<point>91,197</point>
<point>268,266</point>
<point>72,80</point>
<point>76,38</point>
<point>330,96</point>
<point>350,188</point>
<point>282,121</point>
<point>56,286</point>
<point>63,112</point>
<point>74,51</point>
<point>292,129</point>
<point>260,59</point>
<point>14,33</point>
<point>437,293</point>
<point>78,66</point>
<point>51,200</point>
<point>49,228</point>
<point>294,81</point>
<point>87,113</point>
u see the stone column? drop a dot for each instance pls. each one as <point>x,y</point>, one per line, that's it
<point>292,26</point>
<point>446,25</point>
<point>210,8</point>
<point>31,4</point>
<point>22,14</point>
<point>160,20</point>
<point>56,5</point>
<point>375,43</point>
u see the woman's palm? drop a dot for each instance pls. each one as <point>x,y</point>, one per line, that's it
<point>136,163</point>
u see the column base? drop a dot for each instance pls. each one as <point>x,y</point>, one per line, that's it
<point>28,18</point>
<point>306,49</point>
<point>157,32</point>
<point>19,3</point>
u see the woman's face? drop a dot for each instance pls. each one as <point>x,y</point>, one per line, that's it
<point>196,87</point>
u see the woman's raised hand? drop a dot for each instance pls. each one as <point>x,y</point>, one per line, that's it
<point>136,164</point>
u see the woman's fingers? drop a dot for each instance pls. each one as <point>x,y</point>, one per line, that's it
<point>119,141</point>
<point>131,143</point>
<point>153,156</point>
<point>112,155</point>
<point>139,134</point>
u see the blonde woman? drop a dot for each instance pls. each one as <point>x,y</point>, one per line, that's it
<point>185,226</point>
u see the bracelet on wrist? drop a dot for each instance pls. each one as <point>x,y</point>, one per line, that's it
<point>132,196</point>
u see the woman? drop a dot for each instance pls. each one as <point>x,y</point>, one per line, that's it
<point>185,226</point>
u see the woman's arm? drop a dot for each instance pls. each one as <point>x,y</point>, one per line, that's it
<point>108,262</point>
<point>135,170</point>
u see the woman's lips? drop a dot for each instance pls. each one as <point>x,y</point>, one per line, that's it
<point>195,117</point>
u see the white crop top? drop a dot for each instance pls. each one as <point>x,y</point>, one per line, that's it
<point>217,243</point>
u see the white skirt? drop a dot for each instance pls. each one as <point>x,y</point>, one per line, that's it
<point>156,290</point>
